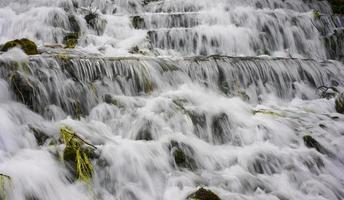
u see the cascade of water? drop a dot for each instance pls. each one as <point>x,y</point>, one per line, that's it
<point>174,95</point>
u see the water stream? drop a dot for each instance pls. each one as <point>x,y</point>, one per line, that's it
<point>231,84</point>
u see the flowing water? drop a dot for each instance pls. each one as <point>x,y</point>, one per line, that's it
<point>231,84</point>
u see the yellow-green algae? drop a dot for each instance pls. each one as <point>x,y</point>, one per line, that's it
<point>3,180</point>
<point>77,152</point>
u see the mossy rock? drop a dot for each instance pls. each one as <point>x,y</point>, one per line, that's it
<point>182,155</point>
<point>339,103</point>
<point>28,46</point>
<point>71,40</point>
<point>316,14</point>
<point>203,194</point>
<point>77,155</point>
<point>4,180</point>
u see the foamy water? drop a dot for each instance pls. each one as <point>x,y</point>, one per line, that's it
<point>239,118</point>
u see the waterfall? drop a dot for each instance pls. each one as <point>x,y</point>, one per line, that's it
<point>172,96</point>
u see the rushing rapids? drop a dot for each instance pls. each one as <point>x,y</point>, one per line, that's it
<point>151,100</point>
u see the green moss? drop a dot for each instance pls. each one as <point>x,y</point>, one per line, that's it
<point>77,153</point>
<point>316,14</point>
<point>28,46</point>
<point>63,56</point>
<point>203,194</point>
<point>4,179</point>
<point>148,85</point>
<point>267,112</point>
<point>71,40</point>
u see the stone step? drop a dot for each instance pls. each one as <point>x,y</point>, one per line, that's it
<point>76,84</point>
<point>166,20</point>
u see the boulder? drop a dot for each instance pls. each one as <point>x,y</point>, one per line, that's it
<point>203,194</point>
<point>28,46</point>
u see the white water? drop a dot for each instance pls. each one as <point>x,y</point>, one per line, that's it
<point>228,27</point>
<point>241,119</point>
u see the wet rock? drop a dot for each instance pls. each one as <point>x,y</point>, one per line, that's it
<point>310,142</point>
<point>96,22</point>
<point>337,6</point>
<point>41,136</point>
<point>71,40</point>
<point>265,164</point>
<point>28,46</point>
<point>198,119</point>
<point>145,133</point>
<point>31,197</point>
<point>134,50</point>
<point>145,2</point>
<point>339,103</point>
<point>90,18</point>
<point>203,194</point>
<point>138,22</point>
<point>182,155</point>
<point>327,92</point>
<point>24,88</point>
<point>74,24</point>
<point>111,100</point>
<point>222,81</point>
<point>220,128</point>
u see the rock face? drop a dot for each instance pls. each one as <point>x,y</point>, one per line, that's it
<point>337,6</point>
<point>310,142</point>
<point>340,103</point>
<point>203,194</point>
<point>28,46</point>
